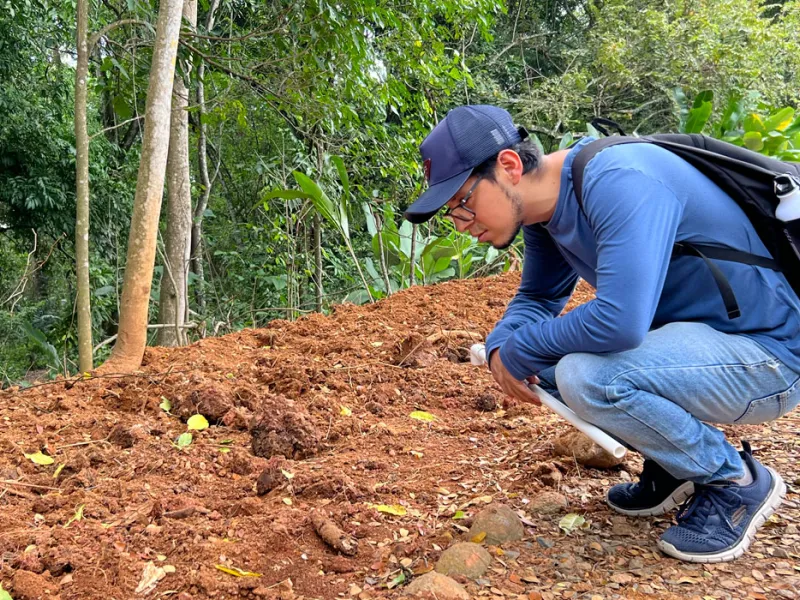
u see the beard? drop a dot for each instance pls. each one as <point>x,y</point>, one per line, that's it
<point>516,205</point>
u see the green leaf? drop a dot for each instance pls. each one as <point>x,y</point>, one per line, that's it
<point>753,122</point>
<point>571,522</point>
<point>76,517</point>
<point>397,580</point>
<point>753,141</point>
<point>4,595</point>
<point>237,572</point>
<point>421,415</point>
<point>339,164</point>
<point>372,223</point>
<point>779,120</point>
<point>698,117</point>
<point>566,140</point>
<point>702,98</point>
<point>165,405</point>
<point>40,459</point>
<point>197,423</point>
<point>122,108</point>
<point>460,514</point>
<point>732,115</point>
<point>184,440</point>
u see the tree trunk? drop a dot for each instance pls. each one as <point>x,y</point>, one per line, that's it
<point>172,301</point>
<point>132,335</point>
<point>412,280</point>
<point>318,259</point>
<point>202,159</point>
<point>82,192</point>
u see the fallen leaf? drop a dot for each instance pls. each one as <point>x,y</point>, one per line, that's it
<point>390,509</point>
<point>287,474</point>
<point>460,514</point>
<point>151,575</point>
<point>416,454</point>
<point>166,404</point>
<point>4,595</point>
<point>183,441</point>
<point>477,539</point>
<point>571,522</point>
<point>421,415</point>
<point>76,517</point>
<point>237,572</point>
<point>40,459</point>
<point>224,450</point>
<point>377,344</point>
<point>287,501</point>
<point>197,423</point>
<point>58,470</point>
<point>396,581</point>
<point>344,411</point>
<point>689,580</point>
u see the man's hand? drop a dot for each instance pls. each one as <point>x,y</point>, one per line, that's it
<point>511,386</point>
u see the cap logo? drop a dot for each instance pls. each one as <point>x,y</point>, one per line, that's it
<point>426,166</point>
<point>498,137</point>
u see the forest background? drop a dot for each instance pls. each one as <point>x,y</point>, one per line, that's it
<point>292,130</point>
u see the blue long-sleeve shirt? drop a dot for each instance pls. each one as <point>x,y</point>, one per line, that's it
<point>639,199</point>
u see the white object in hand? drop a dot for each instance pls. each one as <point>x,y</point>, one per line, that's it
<point>789,207</point>
<point>477,356</point>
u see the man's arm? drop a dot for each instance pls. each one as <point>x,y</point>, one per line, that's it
<point>547,284</point>
<point>634,219</point>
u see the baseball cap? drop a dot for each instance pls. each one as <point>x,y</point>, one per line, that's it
<point>464,139</point>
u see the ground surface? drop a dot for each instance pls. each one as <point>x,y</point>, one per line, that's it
<point>332,396</point>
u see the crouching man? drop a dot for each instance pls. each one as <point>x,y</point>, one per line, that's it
<point>655,357</point>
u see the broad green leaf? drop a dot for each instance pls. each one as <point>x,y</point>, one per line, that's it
<point>285,194</point>
<point>698,117</point>
<point>753,141</point>
<point>322,203</point>
<point>40,459</point>
<point>780,120</point>
<point>390,509</point>
<point>732,115</point>
<point>237,572</point>
<point>184,440</point>
<point>4,595</point>
<point>397,580</point>
<point>571,522</point>
<point>753,122</point>
<point>702,98</point>
<point>421,415</point>
<point>166,404</point>
<point>197,423</point>
<point>460,514</point>
<point>122,108</point>
<point>566,140</point>
<point>372,224</point>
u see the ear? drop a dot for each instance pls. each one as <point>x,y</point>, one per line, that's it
<point>509,164</point>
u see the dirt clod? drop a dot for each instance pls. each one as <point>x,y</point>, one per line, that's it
<point>288,432</point>
<point>547,503</point>
<point>271,477</point>
<point>32,586</point>
<point>436,586</point>
<point>467,559</point>
<point>486,402</point>
<point>576,444</point>
<point>499,523</point>
<point>332,535</point>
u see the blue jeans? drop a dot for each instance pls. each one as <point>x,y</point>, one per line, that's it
<point>658,398</point>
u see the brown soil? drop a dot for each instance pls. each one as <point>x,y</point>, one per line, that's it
<point>312,418</point>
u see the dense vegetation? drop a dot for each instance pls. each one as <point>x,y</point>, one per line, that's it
<point>313,112</point>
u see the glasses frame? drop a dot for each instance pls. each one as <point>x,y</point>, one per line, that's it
<point>450,214</point>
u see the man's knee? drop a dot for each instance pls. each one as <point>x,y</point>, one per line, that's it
<point>577,378</point>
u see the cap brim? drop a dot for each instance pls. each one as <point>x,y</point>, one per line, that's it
<point>435,197</point>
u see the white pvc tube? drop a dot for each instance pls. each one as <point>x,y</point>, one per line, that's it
<point>477,356</point>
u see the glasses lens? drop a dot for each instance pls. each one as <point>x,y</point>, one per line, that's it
<point>461,214</point>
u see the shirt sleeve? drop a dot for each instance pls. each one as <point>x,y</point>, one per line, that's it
<point>547,284</point>
<point>635,220</point>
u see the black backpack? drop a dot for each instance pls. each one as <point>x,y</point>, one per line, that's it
<point>751,179</point>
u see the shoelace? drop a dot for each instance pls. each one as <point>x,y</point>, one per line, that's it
<point>695,512</point>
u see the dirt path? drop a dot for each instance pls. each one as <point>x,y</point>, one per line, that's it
<point>326,402</point>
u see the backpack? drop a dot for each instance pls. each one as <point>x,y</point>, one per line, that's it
<point>751,179</point>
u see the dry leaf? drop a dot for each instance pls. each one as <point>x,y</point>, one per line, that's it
<point>421,415</point>
<point>477,539</point>
<point>345,412</point>
<point>40,459</point>
<point>151,575</point>
<point>390,509</point>
<point>237,572</point>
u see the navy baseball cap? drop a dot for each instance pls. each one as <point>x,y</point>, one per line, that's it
<point>465,138</point>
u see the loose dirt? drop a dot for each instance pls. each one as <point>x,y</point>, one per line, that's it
<point>310,431</point>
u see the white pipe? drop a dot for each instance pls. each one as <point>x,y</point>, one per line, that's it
<point>477,356</point>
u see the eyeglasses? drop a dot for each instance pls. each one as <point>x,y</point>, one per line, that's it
<point>461,212</point>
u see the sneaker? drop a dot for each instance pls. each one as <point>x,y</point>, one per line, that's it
<point>655,493</point>
<point>720,521</point>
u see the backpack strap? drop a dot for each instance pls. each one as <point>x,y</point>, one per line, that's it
<point>704,251</point>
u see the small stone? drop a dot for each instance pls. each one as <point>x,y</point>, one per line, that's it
<point>467,559</point>
<point>486,402</point>
<point>499,523</point>
<point>544,542</point>
<point>355,590</point>
<point>578,445</point>
<point>548,503</point>
<point>435,585</point>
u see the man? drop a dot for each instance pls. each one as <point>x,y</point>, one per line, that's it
<point>654,357</point>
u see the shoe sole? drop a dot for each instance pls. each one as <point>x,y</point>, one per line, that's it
<point>681,493</point>
<point>769,506</point>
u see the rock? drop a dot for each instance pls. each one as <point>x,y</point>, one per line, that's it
<point>486,402</point>
<point>467,559</point>
<point>585,451</point>
<point>374,408</point>
<point>436,586</point>
<point>500,523</point>
<point>30,586</point>
<point>548,503</point>
<point>248,507</point>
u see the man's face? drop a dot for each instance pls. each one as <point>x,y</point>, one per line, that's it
<point>487,210</point>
